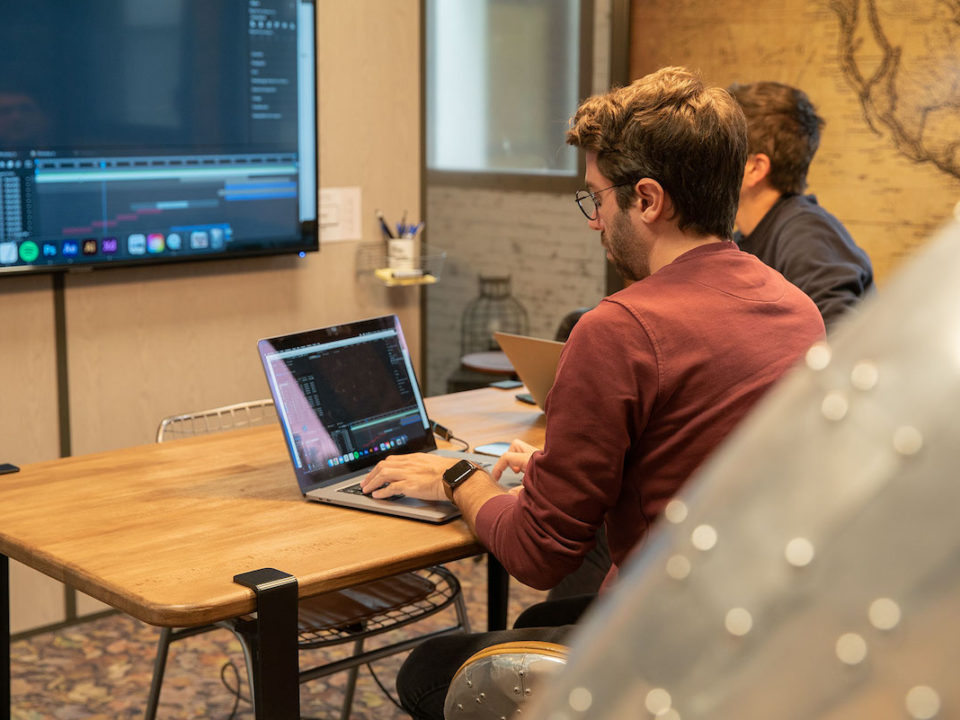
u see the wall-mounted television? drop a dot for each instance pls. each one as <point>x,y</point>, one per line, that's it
<point>145,131</point>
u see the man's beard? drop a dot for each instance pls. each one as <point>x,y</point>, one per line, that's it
<point>628,253</point>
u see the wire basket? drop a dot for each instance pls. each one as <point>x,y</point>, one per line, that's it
<point>423,268</point>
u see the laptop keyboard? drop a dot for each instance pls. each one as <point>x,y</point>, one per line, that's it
<point>355,489</point>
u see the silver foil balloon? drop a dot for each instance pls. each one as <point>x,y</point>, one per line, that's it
<point>812,568</point>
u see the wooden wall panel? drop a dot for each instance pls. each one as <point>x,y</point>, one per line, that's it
<point>35,599</point>
<point>150,342</point>
<point>863,173</point>
<point>28,421</point>
<point>28,373</point>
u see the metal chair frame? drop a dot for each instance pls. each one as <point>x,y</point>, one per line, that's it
<point>228,417</point>
<point>440,589</point>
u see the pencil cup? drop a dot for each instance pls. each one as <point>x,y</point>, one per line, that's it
<point>400,253</point>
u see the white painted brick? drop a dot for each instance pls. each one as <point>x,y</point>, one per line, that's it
<point>540,239</point>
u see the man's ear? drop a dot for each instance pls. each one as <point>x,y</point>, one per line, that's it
<point>651,199</point>
<point>757,169</point>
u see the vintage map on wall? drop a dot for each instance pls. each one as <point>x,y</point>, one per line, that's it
<point>884,74</point>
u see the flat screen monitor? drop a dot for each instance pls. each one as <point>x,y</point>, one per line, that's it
<point>145,131</point>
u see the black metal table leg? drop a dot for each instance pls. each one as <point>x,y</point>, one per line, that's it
<point>498,594</point>
<point>4,636</point>
<point>273,640</point>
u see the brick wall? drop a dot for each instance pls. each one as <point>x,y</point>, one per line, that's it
<point>541,240</point>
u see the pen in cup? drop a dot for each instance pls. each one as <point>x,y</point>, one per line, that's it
<point>384,227</point>
<point>408,231</point>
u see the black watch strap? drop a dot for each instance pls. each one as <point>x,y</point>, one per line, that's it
<point>456,475</point>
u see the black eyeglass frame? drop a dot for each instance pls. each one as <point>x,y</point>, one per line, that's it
<point>584,194</point>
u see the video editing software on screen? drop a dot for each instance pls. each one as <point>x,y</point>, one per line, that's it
<point>136,131</point>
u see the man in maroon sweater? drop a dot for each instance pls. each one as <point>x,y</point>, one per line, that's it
<point>650,381</point>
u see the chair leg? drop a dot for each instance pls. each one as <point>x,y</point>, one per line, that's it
<point>462,618</point>
<point>247,659</point>
<point>351,683</point>
<point>159,666</point>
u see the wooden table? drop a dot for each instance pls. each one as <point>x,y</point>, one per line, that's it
<point>495,362</point>
<point>159,531</point>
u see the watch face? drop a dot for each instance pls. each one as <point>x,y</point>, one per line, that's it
<point>458,472</point>
<point>456,475</point>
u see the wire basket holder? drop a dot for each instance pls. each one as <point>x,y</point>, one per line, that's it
<point>422,268</point>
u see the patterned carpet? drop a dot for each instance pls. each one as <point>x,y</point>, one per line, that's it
<point>102,669</point>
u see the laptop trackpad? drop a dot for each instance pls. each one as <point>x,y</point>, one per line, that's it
<point>356,490</point>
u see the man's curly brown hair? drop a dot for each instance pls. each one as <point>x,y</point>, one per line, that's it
<point>670,127</point>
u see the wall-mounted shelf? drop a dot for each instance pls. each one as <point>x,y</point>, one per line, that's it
<point>396,278</point>
<point>423,269</point>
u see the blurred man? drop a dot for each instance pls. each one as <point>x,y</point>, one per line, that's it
<point>23,124</point>
<point>789,231</point>
<point>650,381</point>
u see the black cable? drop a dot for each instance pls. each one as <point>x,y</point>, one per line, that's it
<point>466,445</point>
<point>440,431</point>
<point>446,434</point>
<point>383,689</point>
<point>238,696</point>
<point>235,691</point>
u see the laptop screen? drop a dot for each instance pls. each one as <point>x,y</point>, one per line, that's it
<point>346,397</point>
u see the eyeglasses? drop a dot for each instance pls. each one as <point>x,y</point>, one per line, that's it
<point>587,201</point>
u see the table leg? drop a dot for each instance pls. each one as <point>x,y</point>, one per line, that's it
<point>4,636</point>
<point>498,593</point>
<point>273,642</point>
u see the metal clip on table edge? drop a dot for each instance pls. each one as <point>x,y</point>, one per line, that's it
<point>273,638</point>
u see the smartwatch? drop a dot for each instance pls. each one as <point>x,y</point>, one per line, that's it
<point>456,475</point>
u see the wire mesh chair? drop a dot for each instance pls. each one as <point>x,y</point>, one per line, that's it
<point>228,417</point>
<point>349,615</point>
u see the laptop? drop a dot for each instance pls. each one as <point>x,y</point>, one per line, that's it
<point>347,397</point>
<point>534,360</point>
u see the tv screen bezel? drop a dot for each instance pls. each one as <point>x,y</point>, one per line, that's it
<point>309,237</point>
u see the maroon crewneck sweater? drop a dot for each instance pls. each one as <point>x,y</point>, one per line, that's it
<point>649,383</point>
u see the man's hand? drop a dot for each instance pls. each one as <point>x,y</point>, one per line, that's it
<point>417,475</point>
<point>420,476</point>
<point>516,458</point>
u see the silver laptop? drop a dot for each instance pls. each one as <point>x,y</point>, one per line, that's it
<point>346,398</point>
<point>534,360</point>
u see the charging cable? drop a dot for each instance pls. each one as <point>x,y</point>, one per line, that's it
<point>446,434</point>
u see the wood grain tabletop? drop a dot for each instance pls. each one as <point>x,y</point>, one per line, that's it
<point>160,530</point>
